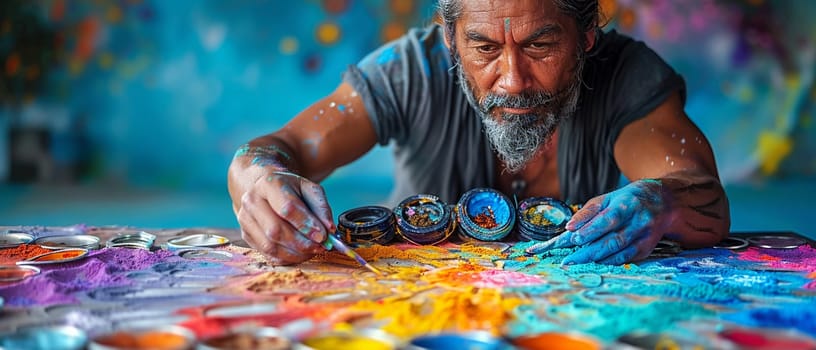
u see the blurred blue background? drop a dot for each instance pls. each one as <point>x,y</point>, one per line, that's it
<point>128,112</point>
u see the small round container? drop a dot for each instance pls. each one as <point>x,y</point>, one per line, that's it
<point>485,214</point>
<point>197,240</point>
<point>776,242</point>
<point>260,339</point>
<point>12,239</point>
<point>205,254</point>
<point>368,339</point>
<point>469,340</point>
<point>423,219</point>
<point>138,240</point>
<point>15,273</point>
<point>557,341</point>
<point>55,337</point>
<point>73,241</point>
<point>56,257</point>
<point>369,224</point>
<point>165,338</point>
<point>732,243</point>
<point>542,218</point>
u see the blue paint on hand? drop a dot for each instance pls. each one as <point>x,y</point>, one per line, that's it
<point>614,228</point>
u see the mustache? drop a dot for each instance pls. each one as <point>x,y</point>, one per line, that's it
<point>526,99</point>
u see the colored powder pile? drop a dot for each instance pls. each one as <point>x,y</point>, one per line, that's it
<point>420,220</point>
<point>500,279</point>
<point>58,283</point>
<point>429,255</point>
<point>792,316</point>
<point>472,309</point>
<point>802,258</point>
<point>9,256</point>
<point>465,274</point>
<point>606,321</point>
<point>127,259</point>
<point>297,281</point>
<point>536,217</point>
<point>486,219</point>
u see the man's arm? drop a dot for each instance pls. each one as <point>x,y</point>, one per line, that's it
<point>273,179</point>
<point>668,147</point>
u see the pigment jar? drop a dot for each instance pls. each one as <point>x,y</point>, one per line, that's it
<point>542,218</point>
<point>485,214</point>
<point>369,224</point>
<point>424,219</point>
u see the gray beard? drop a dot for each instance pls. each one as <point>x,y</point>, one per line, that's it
<point>516,138</point>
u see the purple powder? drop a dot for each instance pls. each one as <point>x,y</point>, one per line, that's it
<point>58,283</point>
<point>126,259</point>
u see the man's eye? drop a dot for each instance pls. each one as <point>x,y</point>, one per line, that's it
<point>486,48</point>
<point>540,46</point>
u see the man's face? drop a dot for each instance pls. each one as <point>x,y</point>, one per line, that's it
<point>519,64</point>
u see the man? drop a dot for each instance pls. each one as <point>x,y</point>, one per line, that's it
<point>526,96</point>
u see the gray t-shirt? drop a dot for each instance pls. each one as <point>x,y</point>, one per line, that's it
<point>414,100</point>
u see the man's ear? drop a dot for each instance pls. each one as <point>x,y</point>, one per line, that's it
<point>590,39</point>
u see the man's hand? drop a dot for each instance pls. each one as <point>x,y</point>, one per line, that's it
<point>615,228</point>
<point>285,217</point>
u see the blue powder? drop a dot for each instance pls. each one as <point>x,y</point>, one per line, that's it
<point>603,320</point>
<point>799,316</point>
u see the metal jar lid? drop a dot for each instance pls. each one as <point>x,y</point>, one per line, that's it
<point>139,240</point>
<point>732,243</point>
<point>73,241</point>
<point>776,242</point>
<point>12,239</point>
<point>197,240</point>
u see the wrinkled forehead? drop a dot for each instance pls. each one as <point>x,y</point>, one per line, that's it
<point>505,14</point>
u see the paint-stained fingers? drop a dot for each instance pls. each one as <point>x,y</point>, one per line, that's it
<point>587,212</point>
<point>561,241</point>
<point>626,255</point>
<point>280,230</point>
<point>289,204</point>
<point>600,249</point>
<point>315,198</point>
<point>610,219</point>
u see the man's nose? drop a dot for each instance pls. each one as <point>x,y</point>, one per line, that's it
<point>514,76</point>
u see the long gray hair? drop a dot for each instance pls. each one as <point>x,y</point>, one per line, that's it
<point>585,13</point>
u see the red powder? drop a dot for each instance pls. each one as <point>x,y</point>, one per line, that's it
<point>9,256</point>
<point>486,219</point>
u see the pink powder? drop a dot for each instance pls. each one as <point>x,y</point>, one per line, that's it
<point>58,283</point>
<point>500,278</point>
<point>799,259</point>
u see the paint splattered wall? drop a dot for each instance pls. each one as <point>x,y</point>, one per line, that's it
<point>162,92</point>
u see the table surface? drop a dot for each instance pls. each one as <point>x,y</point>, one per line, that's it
<point>689,298</point>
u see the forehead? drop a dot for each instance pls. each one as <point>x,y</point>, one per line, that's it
<point>484,14</point>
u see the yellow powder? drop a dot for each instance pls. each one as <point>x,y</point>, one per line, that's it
<point>483,251</point>
<point>270,281</point>
<point>346,341</point>
<point>447,310</point>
